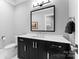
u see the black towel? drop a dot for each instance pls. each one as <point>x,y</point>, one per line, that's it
<point>70,27</point>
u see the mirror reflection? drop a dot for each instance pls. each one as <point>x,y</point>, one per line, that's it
<point>43,19</point>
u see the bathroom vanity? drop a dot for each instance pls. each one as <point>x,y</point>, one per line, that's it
<point>48,47</point>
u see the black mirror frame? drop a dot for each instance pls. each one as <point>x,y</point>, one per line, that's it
<point>41,30</point>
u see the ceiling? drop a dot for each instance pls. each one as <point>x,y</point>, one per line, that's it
<point>15,2</point>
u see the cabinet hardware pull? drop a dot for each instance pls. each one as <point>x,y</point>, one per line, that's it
<point>33,44</point>
<point>60,46</point>
<point>54,45</point>
<point>47,55</point>
<point>24,48</point>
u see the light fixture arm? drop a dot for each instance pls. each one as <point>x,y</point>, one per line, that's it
<point>42,3</point>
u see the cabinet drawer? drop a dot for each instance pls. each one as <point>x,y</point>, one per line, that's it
<point>56,47</point>
<point>21,50</point>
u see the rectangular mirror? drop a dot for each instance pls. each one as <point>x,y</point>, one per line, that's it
<point>43,19</point>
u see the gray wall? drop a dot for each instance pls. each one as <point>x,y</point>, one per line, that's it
<point>22,16</point>
<point>6,23</point>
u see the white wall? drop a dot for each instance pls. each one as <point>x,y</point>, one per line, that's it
<point>73,12</point>
<point>22,16</point>
<point>6,22</point>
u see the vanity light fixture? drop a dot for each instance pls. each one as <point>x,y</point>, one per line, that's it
<point>40,3</point>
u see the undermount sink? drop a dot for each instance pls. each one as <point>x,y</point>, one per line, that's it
<point>42,36</point>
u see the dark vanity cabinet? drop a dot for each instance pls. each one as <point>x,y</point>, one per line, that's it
<point>29,48</point>
<point>22,53</point>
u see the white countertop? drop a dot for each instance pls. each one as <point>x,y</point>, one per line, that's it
<point>53,38</point>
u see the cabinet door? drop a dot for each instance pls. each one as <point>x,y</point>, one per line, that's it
<point>41,50</point>
<point>27,56</point>
<point>21,49</point>
<point>37,50</point>
<point>33,51</point>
